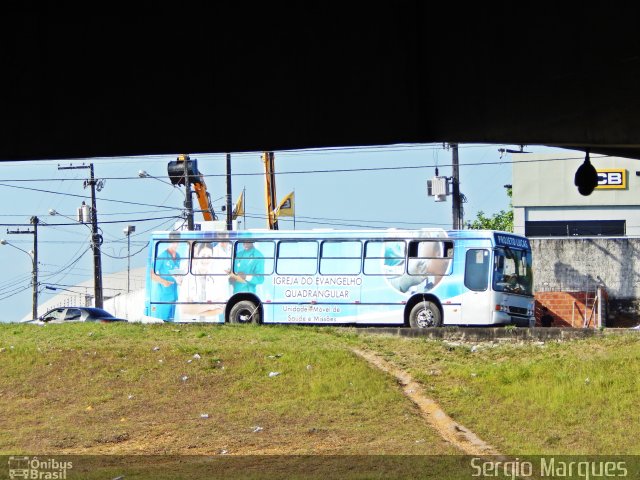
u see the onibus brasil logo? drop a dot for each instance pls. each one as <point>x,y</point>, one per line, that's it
<point>36,468</point>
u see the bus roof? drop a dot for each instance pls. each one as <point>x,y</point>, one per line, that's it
<point>496,237</point>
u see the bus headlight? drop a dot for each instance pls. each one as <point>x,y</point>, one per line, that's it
<point>502,308</point>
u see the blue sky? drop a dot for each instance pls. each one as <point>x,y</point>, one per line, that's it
<point>371,187</point>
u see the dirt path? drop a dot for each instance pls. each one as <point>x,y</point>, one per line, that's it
<point>450,430</point>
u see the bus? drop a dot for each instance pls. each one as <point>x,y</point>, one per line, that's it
<point>419,278</point>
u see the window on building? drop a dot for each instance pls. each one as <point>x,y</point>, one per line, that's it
<point>572,228</point>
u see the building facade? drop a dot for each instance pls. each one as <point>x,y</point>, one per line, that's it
<point>546,203</point>
<point>581,245</point>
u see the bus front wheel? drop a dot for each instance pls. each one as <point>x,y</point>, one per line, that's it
<point>425,315</point>
<point>245,311</point>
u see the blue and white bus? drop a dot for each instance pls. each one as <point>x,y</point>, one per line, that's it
<point>419,278</point>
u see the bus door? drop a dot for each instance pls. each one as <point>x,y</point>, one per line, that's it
<point>339,281</point>
<point>477,297</point>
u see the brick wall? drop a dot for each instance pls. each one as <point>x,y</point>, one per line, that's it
<point>579,265</point>
<point>568,308</point>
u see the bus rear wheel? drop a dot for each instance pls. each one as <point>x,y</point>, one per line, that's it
<point>425,315</point>
<point>245,311</point>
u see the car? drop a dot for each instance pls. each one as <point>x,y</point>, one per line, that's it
<point>78,314</point>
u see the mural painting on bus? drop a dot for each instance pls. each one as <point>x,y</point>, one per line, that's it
<point>170,266</point>
<point>429,262</point>
<point>202,293</point>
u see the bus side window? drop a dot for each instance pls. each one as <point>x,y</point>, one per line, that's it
<point>263,252</point>
<point>340,257</point>
<point>384,257</point>
<point>172,258</point>
<point>430,257</point>
<point>211,258</point>
<point>297,258</point>
<point>476,270</point>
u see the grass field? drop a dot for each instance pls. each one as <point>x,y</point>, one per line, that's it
<point>162,389</point>
<point>576,397</point>
<point>132,388</point>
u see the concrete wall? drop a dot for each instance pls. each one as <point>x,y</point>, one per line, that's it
<point>129,306</point>
<point>580,263</point>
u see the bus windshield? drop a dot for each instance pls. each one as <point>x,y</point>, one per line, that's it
<point>512,271</point>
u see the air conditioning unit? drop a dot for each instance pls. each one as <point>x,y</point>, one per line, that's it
<point>438,187</point>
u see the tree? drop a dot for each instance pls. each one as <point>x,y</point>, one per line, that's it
<point>503,220</point>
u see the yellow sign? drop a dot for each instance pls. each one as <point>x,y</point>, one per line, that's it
<point>613,178</point>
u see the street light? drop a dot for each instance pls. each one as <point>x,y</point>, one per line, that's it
<point>86,297</point>
<point>49,287</point>
<point>145,174</point>
<point>34,275</point>
<point>128,230</point>
<point>53,212</point>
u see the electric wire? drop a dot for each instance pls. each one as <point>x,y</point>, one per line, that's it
<point>15,293</point>
<point>436,164</point>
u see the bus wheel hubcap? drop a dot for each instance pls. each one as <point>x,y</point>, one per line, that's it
<point>425,318</point>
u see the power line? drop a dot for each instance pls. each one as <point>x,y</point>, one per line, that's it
<point>86,197</point>
<point>153,158</point>
<point>15,292</point>
<point>79,223</point>
<point>127,256</point>
<point>301,172</point>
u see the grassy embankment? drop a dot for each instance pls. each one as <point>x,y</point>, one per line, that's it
<point>121,389</point>
<point>140,389</point>
<point>575,397</point>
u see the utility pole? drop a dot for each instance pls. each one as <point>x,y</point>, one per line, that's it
<point>270,189</point>
<point>455,183</point>
<point>96,238</point>
<point>229,207</point>
<point>128,230</point>
<point>34,270</point>
<point>188,201</point>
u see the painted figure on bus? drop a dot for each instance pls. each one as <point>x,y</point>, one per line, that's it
<point>164,283</point>
<point>426,267</point>
<point>248,268</point>
<point>204,293</point>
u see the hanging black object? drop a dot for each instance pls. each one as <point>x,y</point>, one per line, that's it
<point>586,178</point>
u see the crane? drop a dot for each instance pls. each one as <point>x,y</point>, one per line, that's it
<point>184,171</point>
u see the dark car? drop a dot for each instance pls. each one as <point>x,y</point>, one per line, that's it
<point>78,314</point>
